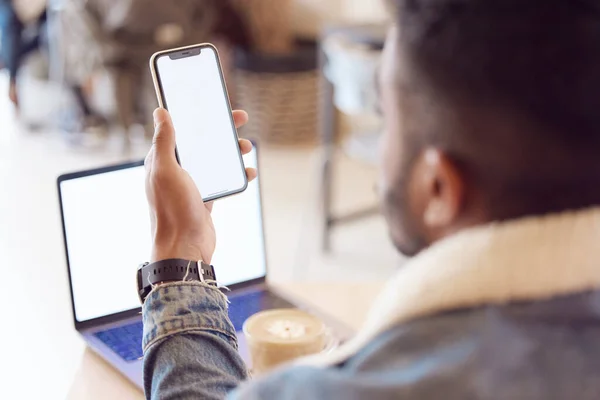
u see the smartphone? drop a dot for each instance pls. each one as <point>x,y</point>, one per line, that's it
<point>189,83</point>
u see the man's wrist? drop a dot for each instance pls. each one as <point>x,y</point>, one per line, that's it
<point>168,252</point>
<point>166,271</point>
<point>184,252</point>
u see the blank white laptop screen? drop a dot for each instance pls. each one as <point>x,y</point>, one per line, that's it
<point>107,232</point>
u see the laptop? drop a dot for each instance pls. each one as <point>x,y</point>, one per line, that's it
<point>106,230</point>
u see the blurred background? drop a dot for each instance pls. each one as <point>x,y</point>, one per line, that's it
<point>76,93</point>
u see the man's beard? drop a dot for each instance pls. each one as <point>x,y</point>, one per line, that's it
<point>402,224</point>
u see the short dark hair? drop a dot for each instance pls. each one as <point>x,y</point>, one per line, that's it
<point>528,73</point>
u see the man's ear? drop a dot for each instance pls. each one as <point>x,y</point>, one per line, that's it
<point>440,187</point>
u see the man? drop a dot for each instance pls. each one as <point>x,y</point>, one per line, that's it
<point>491,177</point>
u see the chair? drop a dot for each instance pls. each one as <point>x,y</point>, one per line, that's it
<point>371,39</point>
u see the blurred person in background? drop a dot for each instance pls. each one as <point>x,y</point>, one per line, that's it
<point>490,179</point>
<point>119,37</point>
<point>21,24</point>
<point>23,30</point>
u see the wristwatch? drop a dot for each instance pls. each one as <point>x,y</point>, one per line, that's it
<point>174,269</point>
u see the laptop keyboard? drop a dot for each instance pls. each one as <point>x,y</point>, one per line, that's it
<point>243,306</point>
<point>124,340</point>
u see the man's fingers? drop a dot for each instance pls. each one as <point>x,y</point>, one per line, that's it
<point>240,117</point>
<point>251,174</point>
<point>163,149</point>
<point>164,137</point>
<point>245,146</point>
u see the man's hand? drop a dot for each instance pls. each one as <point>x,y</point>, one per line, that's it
<point>182,226</point>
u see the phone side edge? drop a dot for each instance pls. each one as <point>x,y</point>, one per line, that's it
<point>155,78</point>
<point>229,193</point>
<point>235,130</point>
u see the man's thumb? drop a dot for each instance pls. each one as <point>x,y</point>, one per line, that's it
<point>164,134</point>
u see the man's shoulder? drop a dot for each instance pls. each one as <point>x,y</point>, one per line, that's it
<point>522,350</point>
<point>531,350</point>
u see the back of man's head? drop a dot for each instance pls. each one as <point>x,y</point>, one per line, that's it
<point>527,75</point>
<point>509,90</point>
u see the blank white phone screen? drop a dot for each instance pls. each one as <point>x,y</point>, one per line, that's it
<point>107,232</point>
<point>206,141</point>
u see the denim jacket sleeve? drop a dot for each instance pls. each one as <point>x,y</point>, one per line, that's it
<point>190,352</point>
<point>190,346</point>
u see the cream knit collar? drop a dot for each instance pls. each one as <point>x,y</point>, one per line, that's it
<point>522,260</point>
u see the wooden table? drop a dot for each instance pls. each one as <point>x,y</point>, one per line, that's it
<point>95,379</point>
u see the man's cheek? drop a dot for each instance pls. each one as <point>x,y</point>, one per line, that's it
<point>390,161</point>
